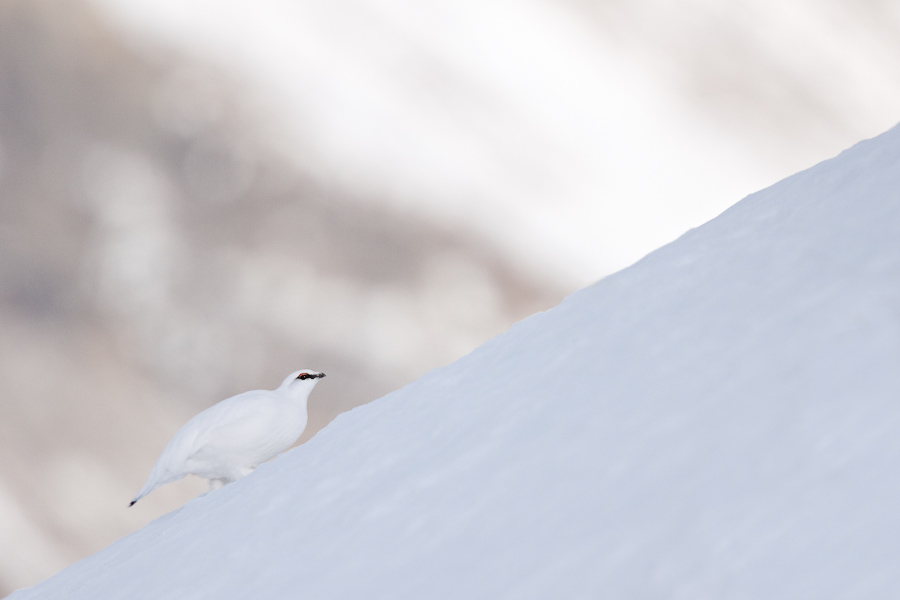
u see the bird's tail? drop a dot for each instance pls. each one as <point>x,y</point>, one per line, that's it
<point>148,487</point>
<point>155,480</point>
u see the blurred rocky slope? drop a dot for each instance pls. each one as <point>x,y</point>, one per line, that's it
<point>594,130</point>
<point>155,257</point>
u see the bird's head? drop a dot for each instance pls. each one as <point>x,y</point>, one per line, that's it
<point>303,380</point>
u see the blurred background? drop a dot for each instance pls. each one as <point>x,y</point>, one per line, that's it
<point>198,197</point>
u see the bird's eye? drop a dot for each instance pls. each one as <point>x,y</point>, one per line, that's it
<point>303,376</point>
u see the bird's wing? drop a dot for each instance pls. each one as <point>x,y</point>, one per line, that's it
<point>233,423</point>
<point>217,424</point>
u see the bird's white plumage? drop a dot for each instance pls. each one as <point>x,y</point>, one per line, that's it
<point>228,440</point>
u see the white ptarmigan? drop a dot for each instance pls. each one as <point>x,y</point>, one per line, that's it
<point>228,440</point>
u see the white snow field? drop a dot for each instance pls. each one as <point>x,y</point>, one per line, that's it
<point>720,420</point>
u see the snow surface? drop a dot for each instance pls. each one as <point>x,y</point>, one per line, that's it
<point>719,420</point>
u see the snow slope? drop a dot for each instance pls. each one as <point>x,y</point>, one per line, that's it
<point>719,420</point>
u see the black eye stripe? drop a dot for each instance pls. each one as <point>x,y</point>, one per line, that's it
<point>310,375</point>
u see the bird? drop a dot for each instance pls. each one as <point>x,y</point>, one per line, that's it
<point>229,439</point>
